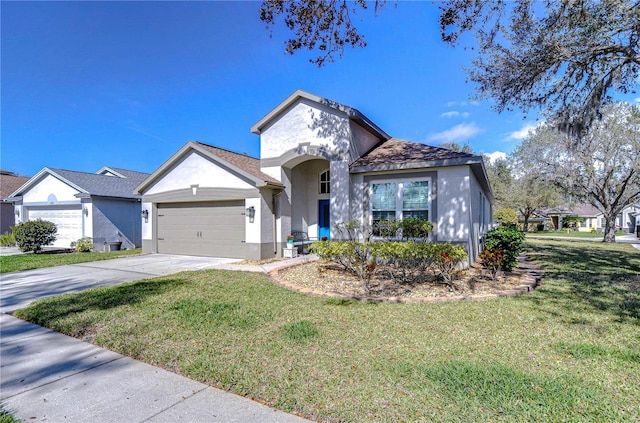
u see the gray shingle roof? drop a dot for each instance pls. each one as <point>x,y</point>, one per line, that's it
<point>401,152</point>
<point>10,183</point>
<point>103,185</point>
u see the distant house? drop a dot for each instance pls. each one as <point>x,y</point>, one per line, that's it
<point>320,163</point>
<point>99,205</point>
<point>593,219</point>
<point>9,182</point>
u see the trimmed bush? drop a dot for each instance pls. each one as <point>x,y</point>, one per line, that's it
<point>7,239</point>
<point>509,240</point>
<point>83,245</point>
<point>506,216</point>
<point>34,234</point>
<point>402,262</point>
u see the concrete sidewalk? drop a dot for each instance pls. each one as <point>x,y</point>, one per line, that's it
<point>47,376</point>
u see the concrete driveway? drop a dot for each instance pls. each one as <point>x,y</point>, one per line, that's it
<point>18,289</point>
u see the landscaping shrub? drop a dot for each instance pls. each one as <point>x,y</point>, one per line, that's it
<point>509,240</point>
<point>411,228</point>
<point>492,260</point>
<point>7,239</point>
<point>402,262</point>
<point>34,234</point>
<point>83,245</point>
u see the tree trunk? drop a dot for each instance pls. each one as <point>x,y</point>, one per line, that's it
<point>610,229</point>
<point>525,226</point>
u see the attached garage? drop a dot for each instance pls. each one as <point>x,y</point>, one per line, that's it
<point>207,201</point>
<point>213,229</point>
<point>68,221</point>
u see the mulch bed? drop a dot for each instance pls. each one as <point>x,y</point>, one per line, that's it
<point>330,279</point>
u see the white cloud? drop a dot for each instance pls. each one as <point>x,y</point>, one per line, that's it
<point>637,100</point>
<point>458,133</point>
<point>522,132</point>
<point>496,155</point>
<point>455,113</point>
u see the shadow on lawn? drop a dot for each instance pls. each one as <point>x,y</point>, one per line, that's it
<point>46,311</point>
<point>587,278</point>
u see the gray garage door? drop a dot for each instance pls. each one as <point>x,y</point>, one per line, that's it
<point>213,229</point>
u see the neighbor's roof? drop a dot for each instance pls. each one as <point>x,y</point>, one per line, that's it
<point>92,184</point>
<point>9,182</point>
<point>353,114</point>
<point>242,164</point>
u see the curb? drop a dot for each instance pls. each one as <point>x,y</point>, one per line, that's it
<point>532,279</point>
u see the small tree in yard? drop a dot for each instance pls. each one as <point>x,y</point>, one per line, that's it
<point>34,234</point>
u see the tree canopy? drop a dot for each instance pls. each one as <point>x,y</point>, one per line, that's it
<point>565,57</point>
<point>604,170</point>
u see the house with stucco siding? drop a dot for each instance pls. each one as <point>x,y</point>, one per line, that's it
<point>101,205</point>
<point>321,163</point>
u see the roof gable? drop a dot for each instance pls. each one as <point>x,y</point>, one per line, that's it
<point>352,114</point>
<point>242,164</point>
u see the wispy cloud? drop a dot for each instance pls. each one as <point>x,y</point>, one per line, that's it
<point>146,133</point>
<point>637,100</point>
<point>463,103</point>
<point>522,132</point>
<point>455,113</point>
<point>496,155</point>
<point>458,133</point>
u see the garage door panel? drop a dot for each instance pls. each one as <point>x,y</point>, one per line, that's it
<point>213,229</point>
<point>68,221</point>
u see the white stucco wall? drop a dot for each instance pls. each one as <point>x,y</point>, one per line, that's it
<point>147,227</point>
<point>453,204</point>
<point>305,122</point>
<point>196,169</point>
<point>361,141</point>
<point>50,185</point>
<point>340,209</point>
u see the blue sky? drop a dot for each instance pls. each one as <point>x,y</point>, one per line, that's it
<point>126,84</point>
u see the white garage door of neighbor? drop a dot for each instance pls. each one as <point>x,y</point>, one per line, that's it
<point>212,229</point>
<point>68,220</point>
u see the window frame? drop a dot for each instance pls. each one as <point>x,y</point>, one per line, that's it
<point>399,195</point>
<point>324,183</point>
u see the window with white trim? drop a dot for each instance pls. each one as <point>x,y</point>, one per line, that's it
<point>400,199</point>
<point>325,182</point>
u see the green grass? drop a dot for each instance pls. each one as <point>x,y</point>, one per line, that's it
<point>570,234</point>
<point>570,351</point>
<point>21,262</point>
<point>6,416</point>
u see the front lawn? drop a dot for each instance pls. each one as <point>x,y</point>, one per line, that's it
<point>37,261</point>
<point>571,234</point>
<point>570,351</point>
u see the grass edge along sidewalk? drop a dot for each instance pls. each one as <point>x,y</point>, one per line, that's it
<point>569,351</point>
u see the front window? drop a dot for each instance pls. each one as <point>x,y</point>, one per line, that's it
<point>325,182</point>
<point>398,200</point>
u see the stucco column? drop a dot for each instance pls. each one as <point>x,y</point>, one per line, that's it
<point>340,201</point>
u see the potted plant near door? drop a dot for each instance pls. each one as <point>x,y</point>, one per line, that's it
<point>289,241</point>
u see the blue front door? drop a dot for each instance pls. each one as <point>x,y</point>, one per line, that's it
<point>324,223</point>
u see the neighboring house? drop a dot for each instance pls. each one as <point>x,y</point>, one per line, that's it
<point>320,163</point>
<point>593,219</point>
<point>9,182</point>
<point>99,205</point>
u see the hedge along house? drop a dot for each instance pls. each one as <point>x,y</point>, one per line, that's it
<point>99,205</point>
<point>320,163</point>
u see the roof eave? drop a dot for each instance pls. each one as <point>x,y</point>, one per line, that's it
<point>37,176</point>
